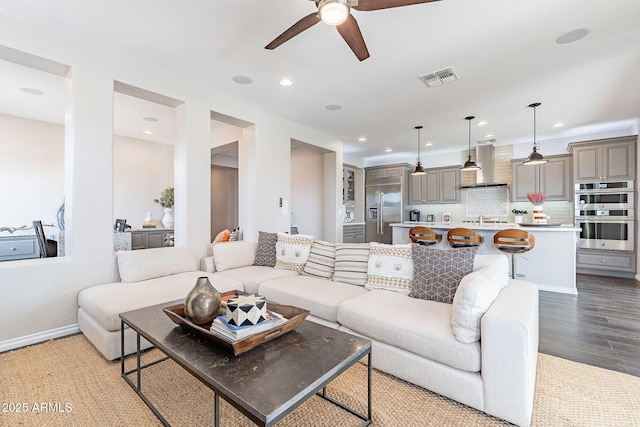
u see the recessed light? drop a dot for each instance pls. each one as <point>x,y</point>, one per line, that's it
<point>388,150</point>
<point>286,82</point>
<point>557,125</point>
<point>148,132</point>
<point>573,35</point>
<point>242,80</point>
<point>150,119</point>
<point>362,139</point>
<point>489,135</point>
<point>481,123</point>
<point>333,107</point>
<point>31,91</point>
<point>428,144</point>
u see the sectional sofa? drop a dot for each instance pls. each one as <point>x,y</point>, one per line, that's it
<point>480,349</point>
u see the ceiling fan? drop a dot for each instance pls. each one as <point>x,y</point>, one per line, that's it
<point>338,13</point>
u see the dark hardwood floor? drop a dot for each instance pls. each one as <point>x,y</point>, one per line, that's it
<point>600,326</point>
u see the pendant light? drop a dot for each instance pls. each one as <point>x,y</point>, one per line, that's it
<point>534,158</point>
<point>469,165</point>
<point>419,170</point>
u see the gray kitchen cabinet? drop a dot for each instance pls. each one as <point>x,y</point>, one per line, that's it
<point>588,260</point>
<point>604,160</point>
<point>553,178</point>
<point>353,233</point>
<point>150,238</point>
<point>436,187</point>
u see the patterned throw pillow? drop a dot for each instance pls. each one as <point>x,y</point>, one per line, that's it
<point>322,260</point>
<point>390,268</point>
<point>351,263</point>
<point>437,272</point>
<point>235,234</point>
<point>266,249</point>
<point>292,251</point>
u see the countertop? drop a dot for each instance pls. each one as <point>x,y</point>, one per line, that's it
<point>486,226</point>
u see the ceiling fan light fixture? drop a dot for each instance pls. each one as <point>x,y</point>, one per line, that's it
<point>333,12</point>
<point>419,170</point>
<point>470,165</point>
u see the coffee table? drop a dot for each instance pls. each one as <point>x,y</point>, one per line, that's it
<point>313,355</point>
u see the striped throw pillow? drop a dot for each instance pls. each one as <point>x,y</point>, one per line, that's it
<point>390,268</point>
<point>351,263</point>
<point>322,260</point>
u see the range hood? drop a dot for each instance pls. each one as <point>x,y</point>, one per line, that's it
<point>485,176</point>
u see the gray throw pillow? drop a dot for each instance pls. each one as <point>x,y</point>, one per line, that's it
<point>266,249</point>
<point>437,272</point>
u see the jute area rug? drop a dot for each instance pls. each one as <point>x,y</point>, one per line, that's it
<point>66,382</point>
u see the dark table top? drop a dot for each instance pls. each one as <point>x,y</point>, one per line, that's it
<point>267,382</point>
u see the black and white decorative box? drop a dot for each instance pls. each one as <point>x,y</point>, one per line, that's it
<point>246,310</point>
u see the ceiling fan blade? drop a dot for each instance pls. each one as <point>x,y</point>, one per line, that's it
<point>350,32</point>
<point>303,24</point>
<point>386,4</point>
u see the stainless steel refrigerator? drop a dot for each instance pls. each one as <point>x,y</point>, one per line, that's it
<point>385,203</point>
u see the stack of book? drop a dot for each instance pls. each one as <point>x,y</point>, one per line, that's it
<point>221,327</point>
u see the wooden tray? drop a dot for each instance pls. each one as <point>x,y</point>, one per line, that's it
<point>294,315</point>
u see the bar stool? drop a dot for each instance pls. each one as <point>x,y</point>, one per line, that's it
<point>424,236</point>
<point>464,238</point>
<point>514,241</point>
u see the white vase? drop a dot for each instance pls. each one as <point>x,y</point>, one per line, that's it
<point>167,219</point>
<point>539,217</point>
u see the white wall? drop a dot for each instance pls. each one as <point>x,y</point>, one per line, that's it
<point>31,171</point>
<point>307,191</point>
<point>43,293</point>
<point>142,170</point>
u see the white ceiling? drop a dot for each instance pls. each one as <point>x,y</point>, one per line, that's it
<point>503,51</point>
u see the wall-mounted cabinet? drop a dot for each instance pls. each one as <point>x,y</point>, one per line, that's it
<point>437,186</point>
<point>348,185</point>
<point>553,178</point>
<point>604,160</point>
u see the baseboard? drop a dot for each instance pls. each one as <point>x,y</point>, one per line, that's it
<point>558,289</point>
<point>14,343</point>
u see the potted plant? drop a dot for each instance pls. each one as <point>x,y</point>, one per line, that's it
<point>166,201</point>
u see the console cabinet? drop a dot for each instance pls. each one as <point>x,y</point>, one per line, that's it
<point>150,238</point>
<point>437,186</point>
<point>18,247</point>
<point>553,178</point>
<point>604,160</point>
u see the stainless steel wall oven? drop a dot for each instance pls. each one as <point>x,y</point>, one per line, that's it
<point>605,215</point>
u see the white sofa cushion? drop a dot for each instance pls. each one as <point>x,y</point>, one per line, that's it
<point>416,325</point>
<point>253,275</point>
<point>145,264</point>
<point>390,267</point>
<point>229,255</point>
<point>475,294</point>
<point>320,296</point>
<point>105,302</point>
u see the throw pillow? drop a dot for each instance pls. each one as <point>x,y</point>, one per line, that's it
<point>474,296</point>
<point>390,268</point>
<point>437,272</point>
<point>266,249</point>
<point>322,260</point>
<point>351,263</point>
<point>235,234</point>
<point>222,236</point>
<point>292,251</point>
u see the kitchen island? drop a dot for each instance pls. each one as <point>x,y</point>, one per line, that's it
<point>551,264</point>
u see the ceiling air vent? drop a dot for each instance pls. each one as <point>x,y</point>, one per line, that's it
<point>439,77</point>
